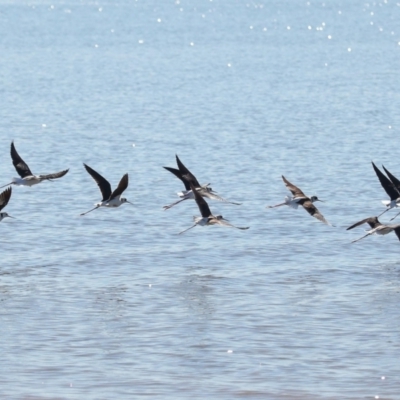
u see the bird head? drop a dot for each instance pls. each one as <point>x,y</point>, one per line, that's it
<point>208,188</point>
<point>123,200</point>
<point>314,199</point>
<point>5,215</point>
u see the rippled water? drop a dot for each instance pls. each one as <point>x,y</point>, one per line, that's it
<point>117,305</point>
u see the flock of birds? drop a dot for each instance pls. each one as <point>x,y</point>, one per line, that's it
<point>193,190</point>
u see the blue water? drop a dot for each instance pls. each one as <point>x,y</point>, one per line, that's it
<point>116,305</point>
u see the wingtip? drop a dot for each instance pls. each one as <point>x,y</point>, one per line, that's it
<point>88,169</point>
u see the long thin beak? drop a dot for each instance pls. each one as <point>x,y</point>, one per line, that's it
<point>9,216</point>
<point>129,202</point>
<point>8,184</point>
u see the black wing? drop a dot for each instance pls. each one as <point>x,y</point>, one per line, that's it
<point>373,222</point>
<point>296,192</point>
<point>123,184</point>
<point>5,197</point>
<point>102,183</point>
<point>394,180</point>
<point>54,176</point>
<point>178,174</point>
<point>397,232</point>
<point>313,211</point>
<point>186,174</point>
<point>387,185</point>
<point>201,203</point>
<point>19,164</point>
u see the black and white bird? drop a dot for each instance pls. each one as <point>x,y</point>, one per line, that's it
<point>391,185</point>
<point>4,199</point>
<point>376,227</point>
<point>26,176</point>
<point>188,178</point>
<point>299,198</point>
<point>110,198</point>
<point>206,217</point>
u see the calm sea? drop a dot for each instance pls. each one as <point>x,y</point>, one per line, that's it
<point>115,304</point>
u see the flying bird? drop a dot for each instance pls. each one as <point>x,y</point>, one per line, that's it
<point>299,198</point>
<point>188,178</point>
<point>391,187</point>
<point>26,176</point>
<point>376,227</point>
<point>110,199</point>
<point>4,199</point>
<point>206,217</point>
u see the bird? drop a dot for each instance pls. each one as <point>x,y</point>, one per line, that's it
<point>26,176</point>
<point>396,184</point>
<point>376,227</point>
<point>299,198</point>
<point>187,178</point>
<point>206,217</point>
<point>4,199</point>
<point>110,199</point>
<point>390,188</point>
